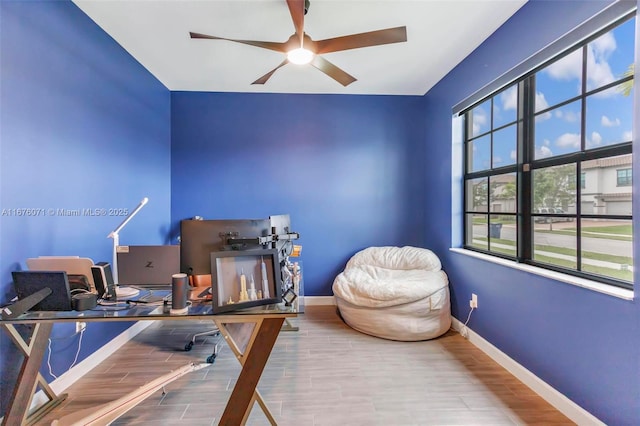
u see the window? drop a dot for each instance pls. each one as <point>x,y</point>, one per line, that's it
<point>624,177</point>
<point>548,162</point>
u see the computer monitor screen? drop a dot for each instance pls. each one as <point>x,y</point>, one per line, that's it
<point>199,238</point>
<point>147,266</point>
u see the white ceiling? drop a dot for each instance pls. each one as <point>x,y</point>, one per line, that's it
<point>440,34</point>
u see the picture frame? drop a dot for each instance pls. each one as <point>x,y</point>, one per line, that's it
<point>244,279</point>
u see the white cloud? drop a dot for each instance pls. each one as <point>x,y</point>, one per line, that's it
<point>543,152</point>
<point>567,68</point>
<point>598,70</point>
<point>480,118</point>
<point>513,155</point>
<point>627,136</point>
<point>594,140</point>
<point>541,101</point>
<point>497,160</point>
<point>605,45</point>
<point>571,117</point>
<point>541,104</point>
<point>607,122</point>
<point>569,140</point>
<point>568,116</point>
<point>546,142</point>
<point>509,99</point>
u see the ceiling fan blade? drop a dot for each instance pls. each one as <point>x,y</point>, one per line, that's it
<point>271,45</point>
<point>355,41</point>
<point>267,76</point>
<point>296,8</point>
<point>332,71</point>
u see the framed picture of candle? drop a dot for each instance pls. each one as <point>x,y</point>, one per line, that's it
<point>243,279</point>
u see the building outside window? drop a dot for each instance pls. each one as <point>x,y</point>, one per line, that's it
<point>548,162</point>
<point>624,177</point>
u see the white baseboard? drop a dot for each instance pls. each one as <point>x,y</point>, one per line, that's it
<point>319,301</point>
<point>60,384</point>
<point>563,404</point>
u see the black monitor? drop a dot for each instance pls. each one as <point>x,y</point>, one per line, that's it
<point>199,238</point>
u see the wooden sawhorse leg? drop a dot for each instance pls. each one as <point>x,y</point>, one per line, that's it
<point>252,343</point>
<point>30,377</point>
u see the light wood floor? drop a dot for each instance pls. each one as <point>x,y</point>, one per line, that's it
<point>324,374</point>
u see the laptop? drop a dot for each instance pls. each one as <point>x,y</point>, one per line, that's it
<point>27,283</point>
<point>147,266</point>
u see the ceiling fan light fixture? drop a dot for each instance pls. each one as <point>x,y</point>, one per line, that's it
<point>300,56</point>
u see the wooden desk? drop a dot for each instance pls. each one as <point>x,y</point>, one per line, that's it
<point>250,333</point>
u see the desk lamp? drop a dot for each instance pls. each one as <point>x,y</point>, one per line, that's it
<point>115,234</point>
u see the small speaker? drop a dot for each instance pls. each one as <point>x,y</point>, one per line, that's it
<point>179,292</point>
<point>103,279</point>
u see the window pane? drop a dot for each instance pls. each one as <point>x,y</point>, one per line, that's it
<point>502,234</point>
<point>476,228</point>
<point>602,194</point>
<point>479,154</point>
<point>557,131</point>
<point>584,109</point>
<point>554,187</point>
<point>606,248</point>
<point>505,146</point>
<point>609,117</point>
<point>610,55</point>
<point>480,119</point>
<point>505,107</point>
<point>555,243</point>
<point>559,81</point>
<point>477,191</point>
<point>624,177</point>
<point>503,193</point>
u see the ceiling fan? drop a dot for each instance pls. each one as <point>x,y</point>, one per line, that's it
<point>302,49</point>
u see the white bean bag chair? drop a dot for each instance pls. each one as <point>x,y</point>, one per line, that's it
<point>397,293</point>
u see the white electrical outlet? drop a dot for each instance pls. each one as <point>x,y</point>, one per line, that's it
<point>80,326</point>
<point>473,303</point>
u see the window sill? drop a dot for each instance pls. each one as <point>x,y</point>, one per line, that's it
<point>609,290</point>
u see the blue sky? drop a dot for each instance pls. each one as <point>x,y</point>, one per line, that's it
<point>557,131</point>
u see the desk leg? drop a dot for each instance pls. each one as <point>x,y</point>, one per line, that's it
<point>29,376</point>
<point>288,326</point>
<point>253,360</point>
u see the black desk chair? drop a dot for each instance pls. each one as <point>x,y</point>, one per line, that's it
<point>201,287</point>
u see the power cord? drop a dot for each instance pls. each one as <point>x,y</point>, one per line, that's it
<point>464,331</point>
<point>77,352</point>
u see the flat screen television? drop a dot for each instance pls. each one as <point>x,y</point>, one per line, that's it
<point>243,279</point>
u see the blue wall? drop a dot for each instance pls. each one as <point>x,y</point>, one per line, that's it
<point>348,169</point>
<point>582,343</point>
<point>82,125</point>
